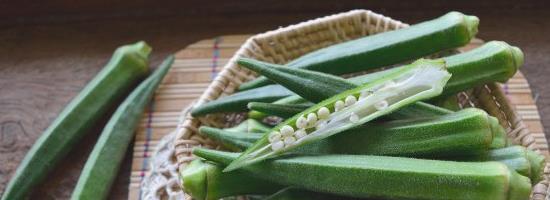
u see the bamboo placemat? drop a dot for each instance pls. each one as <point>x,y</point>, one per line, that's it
<point>197,65</point>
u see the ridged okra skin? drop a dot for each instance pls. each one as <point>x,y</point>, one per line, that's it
<point>451,30</point>
<point>279,110</point>
<point>421,80</point>
<point>366,176</point>
<point>206,181</point>
<point>291,193</point>
<point>237,102</point>
<point>292,99</point>
<point>250,126</point>
<point>128,65</point>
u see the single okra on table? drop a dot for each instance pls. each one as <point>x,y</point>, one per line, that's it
<point>420,80</point>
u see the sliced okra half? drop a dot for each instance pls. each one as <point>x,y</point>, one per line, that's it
<point>420,80</point>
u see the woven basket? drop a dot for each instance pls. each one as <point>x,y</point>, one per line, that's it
<point>285,44</point>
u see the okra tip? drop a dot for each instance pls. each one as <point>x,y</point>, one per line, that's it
<point>517,55</point>
<point>469,21</point>
<point>141,49</point>
<point>472,23</point>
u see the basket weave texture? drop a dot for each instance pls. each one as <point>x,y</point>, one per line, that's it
<point>285,44</point>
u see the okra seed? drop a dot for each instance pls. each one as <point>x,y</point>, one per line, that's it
<point>274,137</point>
<point>311,119</point>
<point>287,131</point>
<point>354,118</point>
<point>350,100</point>
<point>300,133</point>
<point>301,122</point>
<point>323,113</point>
<point>381,105</point>
<point>338,105</point>
<point>277,145</point>
<point>289,140</point>
<point>365,94</point>
<point>321,124</point>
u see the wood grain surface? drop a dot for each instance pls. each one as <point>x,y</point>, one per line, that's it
<point>45,63</point>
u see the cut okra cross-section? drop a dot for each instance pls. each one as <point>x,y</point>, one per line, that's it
<point>420,80</point>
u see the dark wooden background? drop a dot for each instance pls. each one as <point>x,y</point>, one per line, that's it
<point>50,49</point>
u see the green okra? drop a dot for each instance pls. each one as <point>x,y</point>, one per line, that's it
<point>250,126</point>
<point>206,181</point>
<point>295,79</point>
<point>421,80</point>
<point>449,31</point>
<point>221,185</point>
<point>292,99</point>
<point>104,162</point>
<point>500,138</point>
<point>292,193</point>
<point>366,176</point>
<point>537,162</point>
<point>493,61</point>
<point>235,141</point>
<point>279,110</point>
<point>237,102</point>
<point>526,162</point>
<point>463,133</point>
<point>125,69</point>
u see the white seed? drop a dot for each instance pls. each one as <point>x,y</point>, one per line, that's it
<point>365,94</point>
<point>277,145</point>
<point>289,140</point>
<point>381,105</point>
<point>301,122</point>
<point>339,105</point>
<point>350,100</point>
<point>287,131</point>
<point>300,133</point>
<point>274,137</point>
<point>354,118</point>
<point>323,113</point>
<point>311,119</point>
<point>321,124</point>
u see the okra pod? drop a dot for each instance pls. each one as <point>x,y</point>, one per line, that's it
<point>238,101</point>
<point>365,176</point>
<point>449,31</point>
<point>421,80</point>
<point>125,69</point>
<point>250,126</point>
<point>206,181</point>
<point>104,162</point>
<point>279,110</point>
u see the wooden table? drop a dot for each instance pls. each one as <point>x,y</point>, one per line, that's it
<point>45,62</point>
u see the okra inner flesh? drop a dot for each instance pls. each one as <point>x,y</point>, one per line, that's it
<point>353,108</point>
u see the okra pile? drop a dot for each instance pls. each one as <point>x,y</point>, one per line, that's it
<point>386,134</point>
